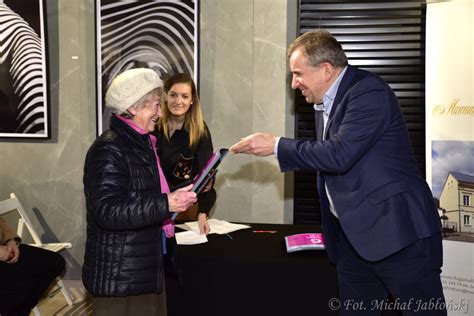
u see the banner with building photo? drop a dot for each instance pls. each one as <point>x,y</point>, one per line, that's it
<point>450,142</point>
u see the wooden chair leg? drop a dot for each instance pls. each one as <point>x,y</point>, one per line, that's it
<point>65,291</point>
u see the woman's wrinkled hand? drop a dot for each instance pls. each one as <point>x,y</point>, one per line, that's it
<point>181,199</point>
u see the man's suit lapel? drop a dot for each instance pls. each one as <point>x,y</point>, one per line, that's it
<point>341,91</point>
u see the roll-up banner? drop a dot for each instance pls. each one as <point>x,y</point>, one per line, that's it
<point>450,142</point>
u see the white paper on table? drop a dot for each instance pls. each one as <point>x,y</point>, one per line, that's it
<point>190,238</point>
<point>186,227</point>
<point>217,226</point>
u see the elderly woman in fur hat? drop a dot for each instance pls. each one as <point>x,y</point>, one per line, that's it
<point>128,201</point>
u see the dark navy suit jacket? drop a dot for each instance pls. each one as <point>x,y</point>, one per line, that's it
<point>382,201</point>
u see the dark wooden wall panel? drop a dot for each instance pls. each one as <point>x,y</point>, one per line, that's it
<point>384,37</point>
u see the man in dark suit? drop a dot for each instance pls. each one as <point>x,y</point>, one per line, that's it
<point>380,223</point>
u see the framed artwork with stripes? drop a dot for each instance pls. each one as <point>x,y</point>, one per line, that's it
<point>156,34</point>
<point>24,104</point>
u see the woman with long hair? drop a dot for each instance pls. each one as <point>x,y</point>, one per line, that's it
<point>184,144</point>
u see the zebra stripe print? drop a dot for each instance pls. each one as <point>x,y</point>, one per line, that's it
<point>154,34</point>
<point>158,34</point>
<point>20,42</point>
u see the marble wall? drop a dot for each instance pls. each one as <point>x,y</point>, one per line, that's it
<point>244,89</point>
<point>244,86</point>
<point>46,175</point>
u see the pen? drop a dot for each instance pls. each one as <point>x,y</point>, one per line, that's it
<point>265,231</point>
<point>229,236</point>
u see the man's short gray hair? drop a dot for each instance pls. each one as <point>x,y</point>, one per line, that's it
<point>319,46</point>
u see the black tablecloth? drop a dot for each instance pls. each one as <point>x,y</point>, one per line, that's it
<point>252,275</point>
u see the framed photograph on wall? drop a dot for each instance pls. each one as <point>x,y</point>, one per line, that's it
<point>157,34</point>
<point>24,104</point>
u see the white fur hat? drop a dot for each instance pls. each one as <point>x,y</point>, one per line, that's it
<point>129,86</point>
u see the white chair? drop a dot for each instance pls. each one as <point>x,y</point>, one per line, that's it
<point>13,204</point>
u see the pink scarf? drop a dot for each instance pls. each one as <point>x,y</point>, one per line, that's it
<point>168,225</point>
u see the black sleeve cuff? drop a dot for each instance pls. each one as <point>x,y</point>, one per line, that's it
<point>16,239</point>
<point>207,201</point>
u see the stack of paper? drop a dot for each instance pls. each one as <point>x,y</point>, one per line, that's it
<point>217,226</point>
<point>192,236</point>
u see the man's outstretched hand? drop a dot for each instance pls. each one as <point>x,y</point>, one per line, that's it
<point>258,144</point>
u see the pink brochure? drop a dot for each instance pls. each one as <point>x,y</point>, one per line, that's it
<point>306,241</point>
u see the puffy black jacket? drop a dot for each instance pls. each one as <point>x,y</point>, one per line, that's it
<point>125,209</point>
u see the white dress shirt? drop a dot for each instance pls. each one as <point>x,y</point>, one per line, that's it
<point>326,107</point>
